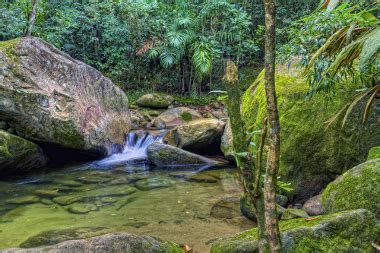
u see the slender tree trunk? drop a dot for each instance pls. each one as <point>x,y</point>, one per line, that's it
<point>248,171</point>
<point>271,221</point>
<point>32,18</point>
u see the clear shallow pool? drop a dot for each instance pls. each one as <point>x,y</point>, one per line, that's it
<point>87,200</point>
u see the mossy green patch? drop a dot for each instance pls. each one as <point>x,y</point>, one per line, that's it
<point>308,147</point>
<point>359,187</point>
<point>186,116</point>
<point>374,153</point>
<point>349,231</point>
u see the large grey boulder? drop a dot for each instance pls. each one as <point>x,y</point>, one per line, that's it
<point>202,136</point>
<point>18,155</point>
<point>47,96</point>
<point>116,242</point>
<point>166,155</point>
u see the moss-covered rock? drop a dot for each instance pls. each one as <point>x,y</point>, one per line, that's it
<point>155,100</point>
<point>374,153</point>
<point>311,154</point>
<point>116,242</point>
<point>358,187</point>
<point>47,96</point>
<point>348,231</point>
<point>18,155</point>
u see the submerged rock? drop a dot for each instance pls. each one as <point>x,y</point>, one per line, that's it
<point>179,115</point>
<point>49,97</point>
<point>166,155</point>
<point>227,208</point>
<point>81,208</point>
<point>116,242</point>
<point>18,155</point>
<point>155,100</point>
<point>153,183</point>
<point>199,136</point>
<point>349,231</point>
<point>358,187</point>
<point>202,177</point>
<point>23,200</point>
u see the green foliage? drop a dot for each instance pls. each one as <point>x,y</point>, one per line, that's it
<point>171,46</point>
<point>330,41</point>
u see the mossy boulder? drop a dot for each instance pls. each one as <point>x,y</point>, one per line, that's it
<point>202,136</point>
<point>178,115</point>
<point>49,97</point>
<point>311,154</point>
<point>358,187</point>
<point>115,242</point>
<point>18,155</point>
<point>347,231</point>
<point>374,153</point>
<point>292,213</point>
<point>166,155</point>
<point>155,100</point>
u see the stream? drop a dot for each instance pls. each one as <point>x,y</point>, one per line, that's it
<point>121,193</point>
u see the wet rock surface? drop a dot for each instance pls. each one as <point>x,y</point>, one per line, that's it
<point>49,97</point>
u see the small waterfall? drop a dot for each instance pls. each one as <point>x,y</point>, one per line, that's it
<point>134,150</point>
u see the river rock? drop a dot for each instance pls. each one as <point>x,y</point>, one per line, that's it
<point>153,183</point>
<point>227,145</point>
<point>49,97</point>
<point>159,123</point>
<point>179,115</point>
<point>23,200</point>
<point>199,136</point>
<point>116,242</point>
<point>202,177</point>
<point>227,208</point>
<point>18,155</point>
<point>358,187</point>
<point>166,155</point>
<point>155,100</point>
<point>81,208</point>
<point>313,206</point>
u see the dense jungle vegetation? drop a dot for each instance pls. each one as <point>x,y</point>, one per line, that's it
<point>256,117</point>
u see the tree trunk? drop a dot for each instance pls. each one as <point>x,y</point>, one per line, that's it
<point>244,163</point>
<point>271,221</point>
<point>32,18</point>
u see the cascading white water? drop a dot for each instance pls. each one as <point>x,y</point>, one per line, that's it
<point>134,150</point>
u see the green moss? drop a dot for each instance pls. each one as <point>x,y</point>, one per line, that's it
<point>5,45</point>
<point>340,232</point>
<point>186,116</point>
<point>357,188</point>
<point>374,153</point>
<point>307,147</point>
